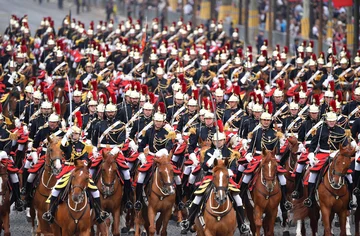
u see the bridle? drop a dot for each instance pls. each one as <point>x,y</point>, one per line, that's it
<point>332,172</point>
<point>162,186</point>
<point>107,189</point>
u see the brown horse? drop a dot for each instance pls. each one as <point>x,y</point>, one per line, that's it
<point>73,214</point>
<point>111,189</point>
<point>219,214</point>
<point>161,197</point>
<point>333,192</point>
<point>4,201</point>
<point>47,181</point>
<point>9,105</point>
<point>357,221</point>
<point>59,95</point>
<point>266,196</point>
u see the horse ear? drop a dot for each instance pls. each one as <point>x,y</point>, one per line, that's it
<point>226,162</point>
<point>264,152</point>
<point>215,162</point>
<point>274,151</point>
<point>49,139</point>
<point>89,162</point>
<point>341,147</point>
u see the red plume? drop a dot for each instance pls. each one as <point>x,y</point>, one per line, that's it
<point>206,103</point>
<point>151,98</point>
<point>1,109</point>
<point>57,108</point>
<point>94,94</point>
<point>103,98</point>
<point>183,88</point>
<point>317,99</point>
<point>333,48</point>
<point>161,108</point>
<point>264,53</point>
<point>236,90</point>
<point>50,95</point>
<point>79,84</point>
<point>240,53</point>
<point>262,84</point>
<point>333,105</point>
<point>181,78</point>
<point>269,107</point>
<point>259,99</point>
<point>144,89</point>
<point>303,87</point>
<point>94,85</point>
<point>195,94</point>
<point>332,85</point>
<point>250,58</point>
<point>78,119</point>
<point>113,98</point>
<point>222,83</point>
<point>220,125</point>
<point>297,97</point>
<point>280,84</point>
<point>42,87</point>
<point>161,63</point>
<point>313,56</point>
<point>286,49</point>
<point>339,96</point>
<point>137,86</point>
<point>252,96</point>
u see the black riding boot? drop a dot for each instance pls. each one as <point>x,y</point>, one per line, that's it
<point>238,177</point>
<point>243,189</point>
<point>297,193</point>
<point>28,189</point>
<point>19,204</point>
<point>127,191</point>
<point>286,204</point>
<point>352,204</point>
<point>139,200</point>
<point>240,218</point>
<point>25,175</point>
<point>308,202</point>
<point>49,216</point>
<point>186,224</point>
<point>178,197</point>
<point>357,183</point>
<point>100,215</point>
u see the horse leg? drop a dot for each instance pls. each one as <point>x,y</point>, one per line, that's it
<point>299,226</point>
<point>314,216</point>
<point>348,227</point>
<point>6,224</point>
<point>165,221</point>
<point>159,222</point>
<point>116,222</point>
<point>357,220</point>
<point>342,220</point>
<point>257,219</point>
<point>151,215</point>
<point>326,220</point>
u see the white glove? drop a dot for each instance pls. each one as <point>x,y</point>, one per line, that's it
<point>168,127</point>
<point>95,152</point>
<point>231,173</point>
<point>301,148</point>
<point>245,143</point>
<point>133,146</point>
<point>25,130</point>
<point>312,159</point>
<point>178,136</point>
<point>249,157</point>
<point>142,158</point>
<point>193,158</point>
<point>17,123</point>
<point>88,142</point>
<point>217,153</point>
<point>115,151</point>
<point>68,133</point>
<point>35,157</point>
<point>3,155</point>
<point>282,142</point>
<point>29,146</point>
<point>355,145</point>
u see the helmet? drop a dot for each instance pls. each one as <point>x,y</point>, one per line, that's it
<point>357,91</point>
<point>46,105</point>
<point>159,71</point>
<point>159,117</point>
<point>219,136</point>
<point>37,94</point>
<point>75,129</point>
<point>77,93</point>
<point>100,108</point>
<point>192,102</point>
<point>265,116</point>
<point>257,108</point>
<point>29,89</point>
<point>331,116</point>
<point>209,115</point>
<point>203,62</point>
<point>294,106</point>
<point>54,118</point>
<point>92,103</point>
<point>233,98</point>
<point>148,106</point>
<point>134,94</point>
<point>314,109</point>
<point>278,93</point>
<point>110,108</point>
<point>179,96</point>
<point>219,92</point>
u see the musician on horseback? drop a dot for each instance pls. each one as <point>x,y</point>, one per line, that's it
<point>6,139</point>
<point>218,150</point>
<point>111,134</point>
<point>73,149</point>
<point>264,137</point>
<point>156,138</point>
<point>323,148</point>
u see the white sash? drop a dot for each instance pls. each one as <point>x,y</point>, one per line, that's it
<point>134,117</point>
<point>277,113</point>
<point>73,113</point>
<point>177,113</point>
<point>190,122</point>
<point>144,129</point>
<point>233,116</point>
<point>52,135</point>
<point>313,128</point>
<point>108,130</point>
<point>303,110</point>
<point>293,123</point>
<point>58,67</point>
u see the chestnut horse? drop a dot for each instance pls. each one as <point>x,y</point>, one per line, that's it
<point>333,192</point>
<point>60,95</point>
<point>111,189</point>
<point>357,221</point>
<point>73,214</point>
<point>219,214</point>
<point>266,195</point>
<point>161,197</point>
<point>47,180</point>
<point>9,105</point>
<point>4,201</point>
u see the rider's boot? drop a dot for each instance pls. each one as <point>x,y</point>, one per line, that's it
<point>19,204</point>
<point>178,197</point>
<point>352,204</point>
<point>243,189</point>
<point>193,212</point>
<point>296,194</point>
<point>49,216</point>
<point>287,205</point>
<point>240,218</point>
<point>25,175</point>
<point>127,195</point>
<point>139,200</point>
<point>28,189</point>
<point>308,202</point>
<point>357,183</point>
<point>238,177</point>
<point>100,215</point>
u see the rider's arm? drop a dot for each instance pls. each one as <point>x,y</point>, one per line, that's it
<point>144,141</point>
<point>314,141</point>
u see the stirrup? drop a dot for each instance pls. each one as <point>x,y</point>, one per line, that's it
<point>181,205</point>
<point>356,191</point>
<point>19,205</point>
<point>352,204</point>
<point>295,194</point>
<point>102,216</point>
<point>308,202</point>
<point>47,216</point>
<point>129,205</point>
<point>185,225</point>
<point>244,228</point>
<point>288,205</point>
<point>137,206</point>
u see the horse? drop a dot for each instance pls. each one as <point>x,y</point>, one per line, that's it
<point>333,192</point>
<point>219,214</point>
<point>357,221</point>
<point>266,195</point>
<point>60,95</point>
<point>73,214</point>
<point>4,201</point>
<point>46,181</point>
<point>9,101</point>
<point>111,189</point>
<point>161,197</point>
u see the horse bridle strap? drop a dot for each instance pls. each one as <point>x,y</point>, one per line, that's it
<point>217,217</point>
<point>266,196</point>
<point>333,194</point>
<point>78,219</point>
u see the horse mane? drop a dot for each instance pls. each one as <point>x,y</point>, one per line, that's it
<point>60,83</point>
<point>15,93</point>
<point>220,166</point>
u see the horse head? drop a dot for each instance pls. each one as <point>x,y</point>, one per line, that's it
<point>108,173</point>
<point>340,165</point>
<point>221,180</point>
<point>54,155</point>
<point>79,181</point>
<point>293,144</point>
<point>165,171</point>
<point>268,169</point>
<point>3,177</point>
<point>234,141</point>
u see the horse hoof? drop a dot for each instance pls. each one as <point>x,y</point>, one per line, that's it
<point>143,233</point>
<point>124,230</point>
<point>286,233</point>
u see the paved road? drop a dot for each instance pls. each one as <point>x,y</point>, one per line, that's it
<point>36,12</point>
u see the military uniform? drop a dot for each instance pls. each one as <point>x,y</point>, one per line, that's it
<point>202,136</point>
<point>137,130</point>
<point>114,137</point>
<point>127,112</point>
<point>350,111</point>
<point>38,122</point>
<point>75,107</point>
<point>186,121</point>
<point>249,126</point>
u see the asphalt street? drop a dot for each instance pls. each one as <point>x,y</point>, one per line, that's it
<point>19,225</point>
